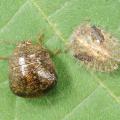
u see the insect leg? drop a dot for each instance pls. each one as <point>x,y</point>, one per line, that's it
<point>40,38</point>
<point>3,58</point>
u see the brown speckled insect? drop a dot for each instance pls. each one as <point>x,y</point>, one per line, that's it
<point>95,48</point>
<point>31,70</point>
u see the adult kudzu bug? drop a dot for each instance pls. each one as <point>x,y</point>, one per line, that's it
<point>95,48</point>
<point>31,70</point>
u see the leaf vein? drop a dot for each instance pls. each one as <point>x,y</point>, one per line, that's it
<point>61,8</point>
<point>78,105</point>
<point>107,89</point>
<point>4,27</point>
<point>53,26</point>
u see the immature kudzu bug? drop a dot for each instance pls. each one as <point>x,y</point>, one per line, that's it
<point>31,70</point>
<point>95,48</point>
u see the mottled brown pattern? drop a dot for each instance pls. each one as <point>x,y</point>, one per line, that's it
<point>31,70</point>
<point>84,57</point>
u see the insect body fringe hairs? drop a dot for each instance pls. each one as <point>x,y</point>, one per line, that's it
<point>96,48</point>
<point>31,70</point>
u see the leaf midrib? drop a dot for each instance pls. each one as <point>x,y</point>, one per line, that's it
<point>15,14</point>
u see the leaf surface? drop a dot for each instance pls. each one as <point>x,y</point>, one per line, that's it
<point>80,94</point>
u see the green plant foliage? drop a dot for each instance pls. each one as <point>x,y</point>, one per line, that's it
<point>80,94</point>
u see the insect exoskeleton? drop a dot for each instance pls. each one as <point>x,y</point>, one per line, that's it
<point>95,48</point>
<point>31,70</point>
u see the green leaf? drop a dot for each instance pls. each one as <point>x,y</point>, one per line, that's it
<point>80,94</point>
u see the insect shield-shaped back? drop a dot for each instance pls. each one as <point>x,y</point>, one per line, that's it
<point>31,70</point>
<point>95,48</point>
